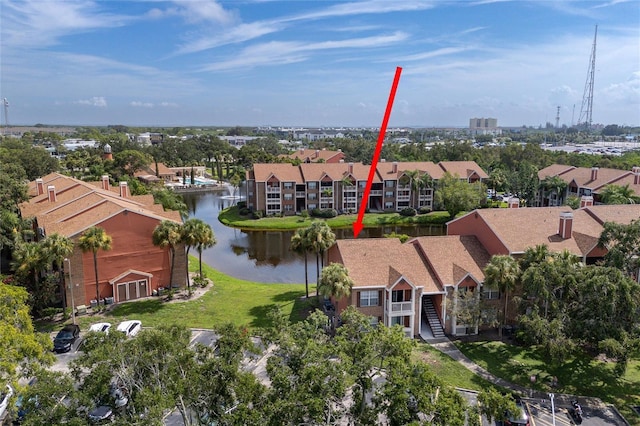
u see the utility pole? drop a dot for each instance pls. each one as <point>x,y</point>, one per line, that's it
<point>553,410</point>
<point>73,305</point>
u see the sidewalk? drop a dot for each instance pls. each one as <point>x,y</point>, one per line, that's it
<point>445,346</point>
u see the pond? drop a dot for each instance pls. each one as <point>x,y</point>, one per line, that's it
<point>264,256</point>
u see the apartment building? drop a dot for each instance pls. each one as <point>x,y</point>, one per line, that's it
<point>288,189</point>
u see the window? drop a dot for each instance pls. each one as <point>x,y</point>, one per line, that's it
<point>388,205</point>
<point>311,185</point>
<point>403,321</point>
<point>389,183</point>
<point>401,295</point>
<point>288,207</point>
<point>273,196</point>
<point>369,298</point>
<point>312,206</point>
<point>362,183</point>
<point>490,293</point>
<point>374,321</point>
<point>388,194</point>
<point>288,197</point>
<point>288,185</point>
<point>312,196</point>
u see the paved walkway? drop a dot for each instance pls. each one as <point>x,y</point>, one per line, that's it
<point>445,346</point>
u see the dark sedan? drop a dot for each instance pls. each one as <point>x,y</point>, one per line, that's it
<point>65,338</point>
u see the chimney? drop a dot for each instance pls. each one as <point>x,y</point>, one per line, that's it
<point>394,167</point>
<point>586,201</point>
<point>382,160</point>
<point>351,168</point>
<point>51,190</point>
<point>566,223</point>
<point>514,202</point>
<point>105,183</point>
<point>636,175</point>
<point>39,186</point>
<point>317,153</point>
<point>594,173</point>
<point>124,190</point>
<point>301,151</point>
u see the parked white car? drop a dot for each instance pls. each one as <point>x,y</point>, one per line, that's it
<point>5,396</point>
<point>130,328</point>
<point>101,327</point>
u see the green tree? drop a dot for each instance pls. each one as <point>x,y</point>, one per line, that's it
<point>299,245</point>
<point>93,240</point>
<point>335,281</point>
<point>23,349</point>
<point>618,194</point>
<point>56,248</point>
<point>554,184</point>
<point>168,235</point>
<point>622,243</point>
<point>502,273</point>
<point>494,405</point>
<point>319,238</point>
<point>196,233</point>
<point>13,188</point>
<point>456,195</point>
<point>130,161</point>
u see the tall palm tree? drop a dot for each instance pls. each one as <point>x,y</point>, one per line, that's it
<point>300,246</point>
<point>205,239</point>
<point>93,240</point>
<point>196,233</point>
<point>502,273</point>
<point>554,183</point>
<point>414,176</point>
<point>168,234</point>
<point>319,238</point>
<point>57,248</point>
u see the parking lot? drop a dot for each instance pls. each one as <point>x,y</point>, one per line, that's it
<point>539,409</point>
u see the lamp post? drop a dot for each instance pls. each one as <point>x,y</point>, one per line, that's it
<point>73,305</point>
<point>553,410</point>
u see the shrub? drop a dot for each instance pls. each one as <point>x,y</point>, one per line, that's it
<point>257,214</point>
<point>244,211</point>
<point>324,213</point>
<point>241,204</point>
<point>424,210</point>
<point>201,282</point>
<point>408,211</point>
<point>49,313</point>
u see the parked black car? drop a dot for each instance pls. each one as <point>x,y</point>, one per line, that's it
<point>65,338</point>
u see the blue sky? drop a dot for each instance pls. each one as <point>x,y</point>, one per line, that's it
<point>316,63</point>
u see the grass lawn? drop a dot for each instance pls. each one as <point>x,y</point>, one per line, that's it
<point>243,303</point>
<point>231,217</point>
<point>578,376</point>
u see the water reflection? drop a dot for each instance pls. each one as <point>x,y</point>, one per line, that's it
<point>264,256</point>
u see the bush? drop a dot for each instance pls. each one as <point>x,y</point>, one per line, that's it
<point>201,282</point>
<point>408,211</point>
<point>324,213</point>
<point>49,313</point>
<point>244,211</point>
<point>257,214</point>
<point>241,204</point>
<point>424,210</point>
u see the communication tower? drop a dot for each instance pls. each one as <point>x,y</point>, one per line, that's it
<point>587,98</point>
<point>558,117</point>
<point>5,105</point>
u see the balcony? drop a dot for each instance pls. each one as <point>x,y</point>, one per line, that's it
<point>401,307</point>
<point>401,198</point>
<point>300,194</point>
<point>375,192</point>
<point>273,189</point>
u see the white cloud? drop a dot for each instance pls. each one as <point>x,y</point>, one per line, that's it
<point>278,53</point>
<point>96,101</point>
<point>168,104</point>
<point>141,104</point>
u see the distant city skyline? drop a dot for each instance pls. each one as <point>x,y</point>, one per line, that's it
<point>316,63</point>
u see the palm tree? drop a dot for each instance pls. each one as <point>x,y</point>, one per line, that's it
<point>616,194</point>
<point>425,181</point>
<point>94,239</point>
<point>300,246</point>
<point>335,282</point>
<point>168,234</point>
<point>57,248</point>
<point>205,240</point>
<point>414,176</point>
<point>502,273</point>
<point>554,183</point>
<point>199,234</point>
<point>319,238</point>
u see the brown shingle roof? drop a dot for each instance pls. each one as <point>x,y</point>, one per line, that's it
<point>452,257</point>
<point>285,172</point>
<point>464,169</point>
<point>379,261</point>
<point>314,155</point>
<point>620,213</point>
<point>554,170</point>
<point>80,205</point>
<point>582,177</point>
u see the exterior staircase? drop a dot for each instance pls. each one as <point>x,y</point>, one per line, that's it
<point>429,313</point>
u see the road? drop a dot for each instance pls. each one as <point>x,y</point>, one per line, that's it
<point>539,410</point>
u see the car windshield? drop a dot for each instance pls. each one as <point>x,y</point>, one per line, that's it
<point>64,334</point>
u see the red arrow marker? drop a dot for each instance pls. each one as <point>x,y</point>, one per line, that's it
<point>357,225</point>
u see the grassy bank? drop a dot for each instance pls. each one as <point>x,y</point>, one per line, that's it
<point>244,303</point>
<point>231,217</point>
<point>581,375</point>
